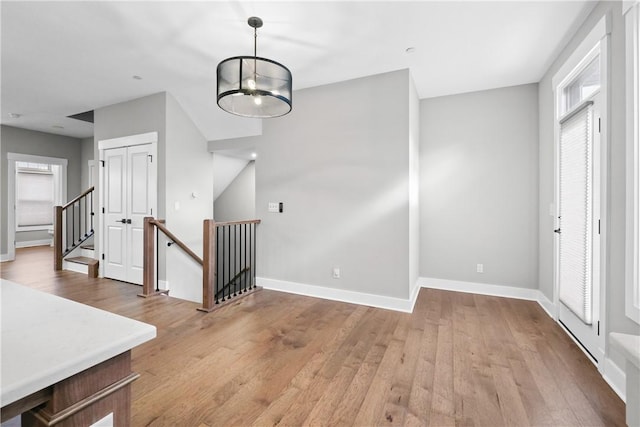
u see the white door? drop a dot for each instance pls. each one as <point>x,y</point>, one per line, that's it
<point>129,195</point>
<point>578,272</point>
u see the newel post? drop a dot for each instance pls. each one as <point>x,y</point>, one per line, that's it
<point>208,265</point>
<point>57,238</point>
<point>148,265</point>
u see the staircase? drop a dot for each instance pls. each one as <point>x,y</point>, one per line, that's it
<point>73,235</point>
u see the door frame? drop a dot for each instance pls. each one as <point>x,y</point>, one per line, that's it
<point>597,39</point>
<point>12,158</point>
<point>106,144</point>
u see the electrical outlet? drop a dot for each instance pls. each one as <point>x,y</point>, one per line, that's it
<point>480,268</point>
<point>336,273</point>
<point>274,207</point>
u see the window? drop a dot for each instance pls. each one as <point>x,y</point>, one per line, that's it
<point>585,84</point>
<point>34,196</point>
<point>632,26</point>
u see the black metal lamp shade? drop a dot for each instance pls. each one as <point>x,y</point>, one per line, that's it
<point>250,86</point>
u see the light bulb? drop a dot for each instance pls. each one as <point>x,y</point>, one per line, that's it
<point>251,84</point>
<point>257,100</point>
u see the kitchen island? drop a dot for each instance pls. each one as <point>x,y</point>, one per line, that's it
<point>65,363</point>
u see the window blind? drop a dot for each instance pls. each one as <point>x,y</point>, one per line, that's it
<point>576,206</point>
<point>34,198</point>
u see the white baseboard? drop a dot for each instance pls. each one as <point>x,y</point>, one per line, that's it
<point>379,301</point>
<point>615,377</point>
<point>546,304</point>
<point>6,257</point>
<point>33,243</point>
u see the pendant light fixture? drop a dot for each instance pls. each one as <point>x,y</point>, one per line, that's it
<point>251,86</point>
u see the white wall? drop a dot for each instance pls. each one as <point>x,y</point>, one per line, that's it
<point>238,201</point>
<point>479,186</point>
<point>615,246</point>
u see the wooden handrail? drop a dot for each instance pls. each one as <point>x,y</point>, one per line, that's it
<point>249,221</point>
<point>210,291</point>
<point>177,241</point>
<point>78,198</point>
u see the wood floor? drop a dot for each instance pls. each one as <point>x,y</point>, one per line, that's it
<point>274,358</point>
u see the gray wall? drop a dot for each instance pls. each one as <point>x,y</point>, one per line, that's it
<point>189,182</point>
<point>15,140</point>
<point>238,201</point>
<point>86,153</point>
<point>339,162</point>
<point>138,116</point>
<point>615,246</point>
<point>414,186</point>
<point>479,186</point>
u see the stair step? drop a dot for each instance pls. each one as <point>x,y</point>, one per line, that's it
<point>91,263</point>
<point>82,260</point>
<point>88,246</point>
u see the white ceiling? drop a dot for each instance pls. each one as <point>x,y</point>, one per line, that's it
<point>63,58</point>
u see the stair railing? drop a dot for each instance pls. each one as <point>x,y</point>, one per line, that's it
<point>228,259</point>
<point>72,225</point>
<point>151,226</point>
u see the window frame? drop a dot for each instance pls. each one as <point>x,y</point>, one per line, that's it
<point>632,70</point>
<point>56,195</point>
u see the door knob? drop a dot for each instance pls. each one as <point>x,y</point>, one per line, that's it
<point>557,230</point>
<point>124,221</point>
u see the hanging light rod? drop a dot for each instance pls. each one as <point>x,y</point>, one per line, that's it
<point>251,86</point>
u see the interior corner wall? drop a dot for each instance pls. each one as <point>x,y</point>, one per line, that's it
<point>616,204</point>
<point>189,198</point>
<point>16,140</point>
<point>238,201</point>
<point>339,163</point>
<point>414,186</point>
<point>142,115</point>
<point>479,187</point>
<point>86,154</point>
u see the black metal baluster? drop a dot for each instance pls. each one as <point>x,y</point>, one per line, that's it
<point>229,264</point>
<point>235,260</point>
<point>250,260</point>
<point>217,280</point>
<point>73,225</point>
<point>91,211</point>
<point>86,231</point>
<point>244,264</point>
<point>255,243</point>
<point>223,257</point>
<point>240,261</point>
<point>157,246</point>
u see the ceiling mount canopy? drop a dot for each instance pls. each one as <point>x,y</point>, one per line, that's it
<point>250,86</point>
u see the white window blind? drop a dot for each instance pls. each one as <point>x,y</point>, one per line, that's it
<point>34,198</point>
<point>576,206</point>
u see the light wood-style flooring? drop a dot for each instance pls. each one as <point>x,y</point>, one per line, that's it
<point>279,359</point>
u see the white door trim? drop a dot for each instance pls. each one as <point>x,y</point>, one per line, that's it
<point>128,141</point>
<point>11,192</point>
<point>599,34</point>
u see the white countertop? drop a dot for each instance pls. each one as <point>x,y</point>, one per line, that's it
<point>46,339</point>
